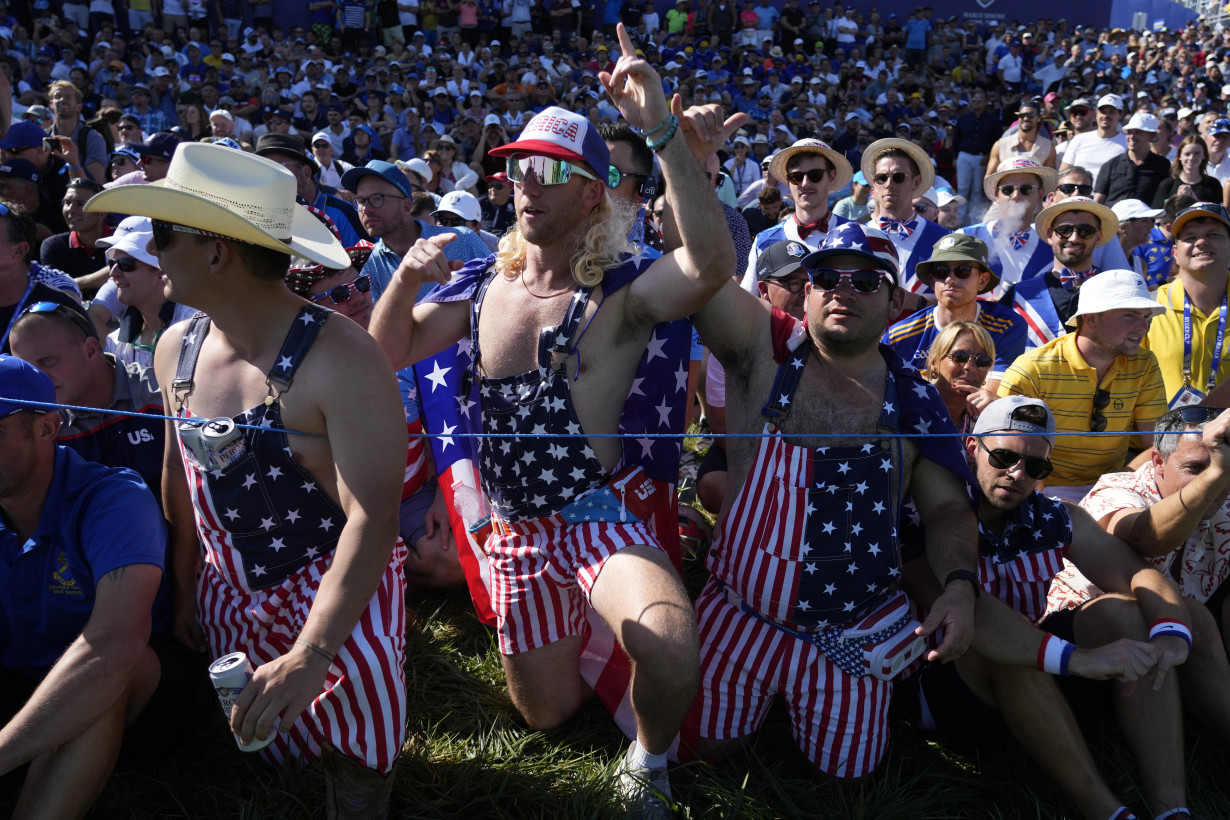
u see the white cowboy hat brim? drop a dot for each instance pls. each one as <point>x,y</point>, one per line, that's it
<point>925,168</point>
<point>236,195</point>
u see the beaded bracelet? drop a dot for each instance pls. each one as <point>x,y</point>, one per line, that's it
<point>659,126</point>
<point>1168,626</point>
<point>671,128</point>
<point>1055,654</point>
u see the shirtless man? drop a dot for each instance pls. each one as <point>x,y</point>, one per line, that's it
<point>315,546</point>
<point>583,368</point>
<point>782,574</point>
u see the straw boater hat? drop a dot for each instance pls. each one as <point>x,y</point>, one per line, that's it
<point>233,194</point>
<point>777,168</point>
<point>1020,165</point>
<point>925,168</point>
<point>1106,217</point>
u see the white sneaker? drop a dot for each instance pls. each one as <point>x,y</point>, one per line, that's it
<point>646,792</point>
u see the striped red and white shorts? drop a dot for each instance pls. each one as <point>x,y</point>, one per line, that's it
<point>541,568</point>
<point>839,721</point>
<point>362,709</point>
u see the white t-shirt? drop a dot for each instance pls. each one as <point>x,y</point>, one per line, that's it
<point>1091,152</point>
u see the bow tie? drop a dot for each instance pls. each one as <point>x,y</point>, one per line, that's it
<point>819,226</point>
<point>1070,280</point>
<point>1018,239</point>
<point>902,229</point>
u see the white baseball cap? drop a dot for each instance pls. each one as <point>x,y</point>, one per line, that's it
<point>1113,100</point>
<point>1127,209</point>
<point>462,204</point>
<point>1115,290</point>
<point>1142,121</point>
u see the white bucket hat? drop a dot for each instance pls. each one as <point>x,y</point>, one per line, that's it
<point>234,194</point>
<point>1115,290</point>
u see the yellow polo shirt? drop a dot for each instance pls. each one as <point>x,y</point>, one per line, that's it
<point>1166,341</point>
<point>1058,374</point>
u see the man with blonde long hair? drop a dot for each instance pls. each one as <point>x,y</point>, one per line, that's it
<point>568,525</point>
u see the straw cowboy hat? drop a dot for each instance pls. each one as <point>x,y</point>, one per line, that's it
<point>777,168</point>
<point>925,167</point>
<point>233,194</point>
<point>1108,223</point>
<point>1020,165</point>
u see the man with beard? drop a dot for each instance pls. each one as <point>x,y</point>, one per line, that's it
<point>1076,181</point>
<point>899,171</point>
<point>1072,229</point>
<point>1017,251</point>
<point>1096,379</point>
<point>1025,141</point>
<point>546,570</point>
<point>958,273</point>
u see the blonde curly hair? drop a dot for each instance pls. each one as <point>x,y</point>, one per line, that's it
<point>605,239</point>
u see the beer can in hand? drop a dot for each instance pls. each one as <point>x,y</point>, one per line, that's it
<point>230,674</point>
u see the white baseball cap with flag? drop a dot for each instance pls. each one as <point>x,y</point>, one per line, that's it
<point>561,134</point>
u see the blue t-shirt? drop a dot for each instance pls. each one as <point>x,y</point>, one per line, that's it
<point>95,519</point>
<point>384,260</point>
<point>916,33</point>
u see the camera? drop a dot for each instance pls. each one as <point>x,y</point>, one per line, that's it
<point>51,145</point>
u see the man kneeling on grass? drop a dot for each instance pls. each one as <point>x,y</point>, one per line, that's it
<point>1133,635</point>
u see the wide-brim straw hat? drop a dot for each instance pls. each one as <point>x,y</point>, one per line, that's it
<point>925,168</point>
<point>1046,175</point>
<point>1107,221</point>
<point>233,194</point>
<point>777,168</point>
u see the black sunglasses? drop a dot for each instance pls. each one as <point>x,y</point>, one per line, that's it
<point>941,272</point>
<point>1009,190</point>
<point>863,280</point>
<point>921,207</point>
<point>982,360</point>
<point>338,294</point>
<point>450,221</point>
<point>127,264</point>
<point>813,176</point>
<point>1097,421</point>
<point>1070,188</point>
<point>78,319</point>
<point>793,285</point>
<point>1004,459</point>
<point>1083,231</point>
<point>882,179</point>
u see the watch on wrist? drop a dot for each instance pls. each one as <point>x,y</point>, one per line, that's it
<point>964,575</point>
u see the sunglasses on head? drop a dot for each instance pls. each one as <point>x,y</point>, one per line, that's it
<point>1070,188</point>
<point>1197,414</point>
<point>1003,459</point>
<point>863,280</point>
<point>546,171</point>
<point>1066,230</point>
<point>339,294</point>
<point>814,176</point>
<point>55,307</point>
<point>883,179</point>
<point>1009,190</point>
<point>1097,421</point>
<point>982,360</point>
<point>127,264</point>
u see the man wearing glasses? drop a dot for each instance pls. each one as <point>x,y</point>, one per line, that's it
<point>813,170</point>
<point>1097,379</point>
<point>552,556</point>
<point>1025,141</point>
<point>1011,679</point>
<point>899,172</point>
<point>289,151</point>
<point>808,544</point>
<point>1138,172</point>
<point>383,198</point>
<point>1018,251</point>
<point>499,213</point>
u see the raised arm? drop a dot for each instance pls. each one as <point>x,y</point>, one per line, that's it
<point>683,280</point>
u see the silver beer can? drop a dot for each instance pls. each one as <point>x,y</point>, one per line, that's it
<point>230,674</point>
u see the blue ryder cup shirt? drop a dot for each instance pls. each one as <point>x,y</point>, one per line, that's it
<point>384,260</point>
<point>95,519</point>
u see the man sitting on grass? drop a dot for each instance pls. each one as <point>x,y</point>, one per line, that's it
<point>1006,681</point>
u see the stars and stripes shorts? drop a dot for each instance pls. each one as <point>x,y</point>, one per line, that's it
<point>541,568</point>
<point>839,721</point>
<point>362,708</point>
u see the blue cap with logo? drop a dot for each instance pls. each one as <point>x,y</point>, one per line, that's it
<point>21,384</point>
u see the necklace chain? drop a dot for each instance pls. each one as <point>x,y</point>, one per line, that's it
<point>526,285</point>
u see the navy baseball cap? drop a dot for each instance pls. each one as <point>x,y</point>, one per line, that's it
<point>23,134</point>
<point>21,169</point>
<point>22,383</point>
<point>377,167</point>
<point>159,146</point>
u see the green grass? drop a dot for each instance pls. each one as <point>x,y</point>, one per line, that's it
<point>469,756</point>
